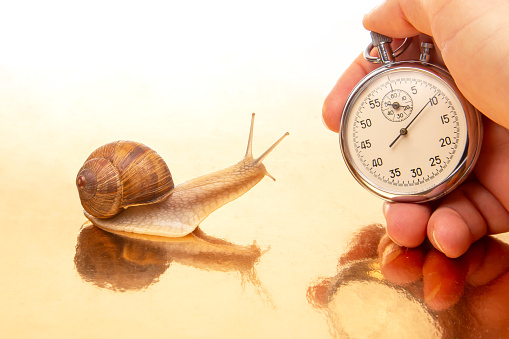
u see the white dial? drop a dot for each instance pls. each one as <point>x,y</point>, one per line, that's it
<point>404,132</point>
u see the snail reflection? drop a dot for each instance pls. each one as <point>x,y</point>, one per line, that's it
<point>127,261</point>
<point>126,186</point>
<point>382,289</point>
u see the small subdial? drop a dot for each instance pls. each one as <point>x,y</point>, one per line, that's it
<point>397,105</point>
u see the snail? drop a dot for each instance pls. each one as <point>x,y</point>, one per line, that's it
<point>126,186</point>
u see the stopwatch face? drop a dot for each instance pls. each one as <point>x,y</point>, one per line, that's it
<point>405,133</point>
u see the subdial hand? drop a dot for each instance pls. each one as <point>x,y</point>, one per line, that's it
<point>404,130</point>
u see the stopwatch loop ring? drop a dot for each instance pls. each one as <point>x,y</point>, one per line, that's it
<point>385,53</point>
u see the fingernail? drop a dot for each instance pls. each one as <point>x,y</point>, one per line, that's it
<point>390,253</point>
<point>433,287</point>
<point>325,123</point>
<point>385,208</point>
<point>435,241</point>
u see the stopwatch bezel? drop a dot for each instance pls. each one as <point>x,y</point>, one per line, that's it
<point>467,160</point>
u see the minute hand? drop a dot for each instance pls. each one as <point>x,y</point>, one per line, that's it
<point>404,130</point>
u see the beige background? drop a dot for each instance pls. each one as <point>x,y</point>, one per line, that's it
<point>182,77</point>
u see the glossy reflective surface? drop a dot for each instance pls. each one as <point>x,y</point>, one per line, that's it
<point>418,292</point>
<point>183,79</point>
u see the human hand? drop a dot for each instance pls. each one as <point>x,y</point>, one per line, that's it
<point>470,39</point>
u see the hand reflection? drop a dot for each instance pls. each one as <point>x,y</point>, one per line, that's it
<point>126,261</point>
<point>468,296</point>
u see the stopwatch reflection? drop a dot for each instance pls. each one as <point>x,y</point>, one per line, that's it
<point>384,290</point>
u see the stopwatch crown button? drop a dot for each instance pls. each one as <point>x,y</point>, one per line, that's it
<point>378,39</point>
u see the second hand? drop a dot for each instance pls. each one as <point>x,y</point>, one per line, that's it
<point>404,130</point>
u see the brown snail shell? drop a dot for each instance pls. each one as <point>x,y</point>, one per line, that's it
<point>122,174</point>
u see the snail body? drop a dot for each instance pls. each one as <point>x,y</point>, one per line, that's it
<point>182,208</point>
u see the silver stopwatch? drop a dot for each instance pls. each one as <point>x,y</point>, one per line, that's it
<point>407,133</point>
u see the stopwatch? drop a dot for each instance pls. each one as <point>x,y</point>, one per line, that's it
<point>407,133</point>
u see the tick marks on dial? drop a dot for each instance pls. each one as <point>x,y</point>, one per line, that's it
<point>417,138</point>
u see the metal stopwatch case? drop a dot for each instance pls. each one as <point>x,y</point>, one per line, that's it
<point>407,133</point>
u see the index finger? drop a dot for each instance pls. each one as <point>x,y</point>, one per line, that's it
<point>333,105</point>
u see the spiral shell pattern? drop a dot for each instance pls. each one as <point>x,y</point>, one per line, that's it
<point>122,174</point>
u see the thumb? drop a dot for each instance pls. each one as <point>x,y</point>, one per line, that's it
<point>471,36</point>
<point>398,19</point>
